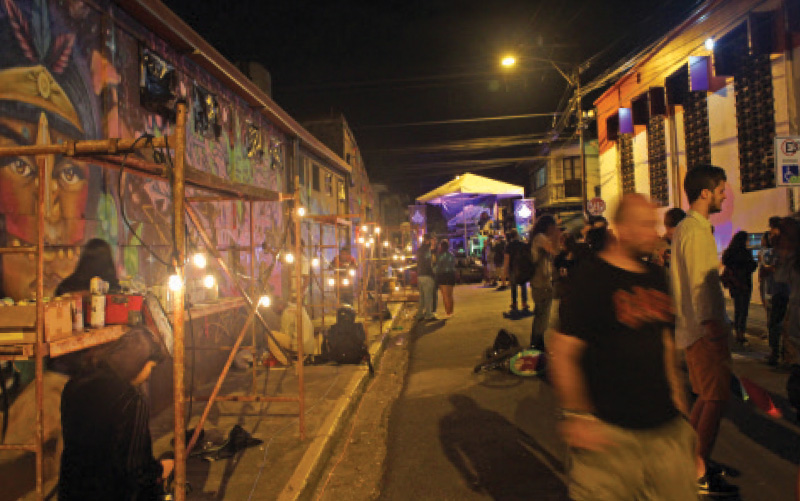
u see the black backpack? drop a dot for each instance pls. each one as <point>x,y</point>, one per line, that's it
<point>346,340</point>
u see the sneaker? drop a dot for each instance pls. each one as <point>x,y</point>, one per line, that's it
<point>715,486</point>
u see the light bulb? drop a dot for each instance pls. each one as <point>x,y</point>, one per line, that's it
<point>377,230</point>
<point>199,260</point>
<point>289,258</point>
<point>264,301</point>
<point>709,43</point>
<point>331,282</point>
<point>361,240</point>
<point>208,281</point>
<point>352,272</point>
<point>301,211</point>
<point>397,288</point>
<point>345,281</point>
<point>421,239</point>
<point>315,262</point>
<point>364,228</point>
<point>386,243</point>
<point>369,244</point>
<point>372,240</point>
<point>175,283</point>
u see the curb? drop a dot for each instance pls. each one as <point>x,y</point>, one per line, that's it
<point>313,461</point>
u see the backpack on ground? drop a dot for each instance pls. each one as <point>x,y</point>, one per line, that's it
<point>346,340</point>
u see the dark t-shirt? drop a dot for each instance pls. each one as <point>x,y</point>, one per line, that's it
<point>621,315</point>
<point>424,262</point>
<point>513,249</point>
<point>499,252</point>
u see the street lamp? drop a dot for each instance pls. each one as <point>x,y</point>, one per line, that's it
<point>508,61</point>
<point>573,78</point>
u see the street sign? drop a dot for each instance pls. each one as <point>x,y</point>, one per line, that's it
<point>787,161</point>
<point>596,206</point>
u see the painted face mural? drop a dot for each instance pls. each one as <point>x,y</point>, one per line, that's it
<point>38,95</point>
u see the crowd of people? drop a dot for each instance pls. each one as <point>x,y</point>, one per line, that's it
<point>619,309</point>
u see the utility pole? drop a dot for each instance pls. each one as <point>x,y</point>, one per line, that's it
<point>584,181</point>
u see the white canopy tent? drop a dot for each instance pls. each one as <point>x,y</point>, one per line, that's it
<point>471,184</point>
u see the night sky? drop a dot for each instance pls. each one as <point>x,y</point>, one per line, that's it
<point>388,64</point>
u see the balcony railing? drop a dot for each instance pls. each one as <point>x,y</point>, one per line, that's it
<point>566,191</point>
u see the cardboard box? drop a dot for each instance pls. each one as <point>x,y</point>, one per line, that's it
<point>18,322</point>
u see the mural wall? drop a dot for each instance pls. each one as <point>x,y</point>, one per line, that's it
<point>71,71</point>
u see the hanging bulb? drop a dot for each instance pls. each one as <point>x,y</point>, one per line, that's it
<point>331,282</point>
<point>315,262</point>
<point>175,283</point>
<point>289,258</point>
<point>352,272</point>
<point>209,281</point>
<point>345,281</point>
<point>264,301</point>
<point>199,260</point>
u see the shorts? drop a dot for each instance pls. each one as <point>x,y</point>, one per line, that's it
<point>445,279</point>
<point>654,464</point>
<point>709,364</point>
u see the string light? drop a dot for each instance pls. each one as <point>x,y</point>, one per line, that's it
<point>386,243</point>
<point>315,262</point>
<point>301,211</point>
<point>352,272</point>
<point>289,258</point>
<point>364,228</point>
<point>199,260</point>
<point>264,301</point>
<point>209,281</point>
<point>377,230</point>
<point>361,240</point>
<point>331,282</point>
<point>175,283</point>
<point>345,281</point>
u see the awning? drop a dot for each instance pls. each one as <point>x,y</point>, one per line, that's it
<point>469,185</point>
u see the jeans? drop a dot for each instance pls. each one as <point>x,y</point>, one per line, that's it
<point>542,301</point>
<point>741,307</point>
<point>777,311</point>
<point>427,291</point>
<point>524,292</point>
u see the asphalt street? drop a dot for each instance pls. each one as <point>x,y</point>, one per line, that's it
<point>457,435</point>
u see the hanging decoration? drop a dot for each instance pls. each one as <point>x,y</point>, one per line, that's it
<point>254,141</point>
<point>157,84</point>
<point>205,108</point>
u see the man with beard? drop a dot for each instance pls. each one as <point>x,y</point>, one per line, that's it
<point>702,325</point>
<point>614,370</point>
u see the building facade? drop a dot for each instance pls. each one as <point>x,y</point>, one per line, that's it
<point>557,181</point>
<point>718,89</point>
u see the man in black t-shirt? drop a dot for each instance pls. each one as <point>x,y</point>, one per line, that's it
<point>613,367</point>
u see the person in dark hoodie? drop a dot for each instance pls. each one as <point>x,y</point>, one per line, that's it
<point>105,424</point>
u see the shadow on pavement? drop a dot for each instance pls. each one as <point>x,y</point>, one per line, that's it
<point>495,457</point>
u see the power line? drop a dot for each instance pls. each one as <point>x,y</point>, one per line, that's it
<point>457,121</point>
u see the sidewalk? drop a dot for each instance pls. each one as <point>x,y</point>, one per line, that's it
<point>282,465</point>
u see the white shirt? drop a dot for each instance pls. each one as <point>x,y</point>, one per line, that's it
<point>289,327</point>
<point>694,274</point>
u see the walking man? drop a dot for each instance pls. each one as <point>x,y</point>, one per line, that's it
<point>702,325</point>
<point>614,370</point>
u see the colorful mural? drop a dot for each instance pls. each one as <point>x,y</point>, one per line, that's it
<point>69,71</point>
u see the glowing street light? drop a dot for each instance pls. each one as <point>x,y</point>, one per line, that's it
<point>508,61</point>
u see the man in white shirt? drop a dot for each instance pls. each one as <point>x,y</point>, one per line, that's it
<point>702,325</point>
<point>287,336</point>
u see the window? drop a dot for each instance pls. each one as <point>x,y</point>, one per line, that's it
<point>540,178</point>
<point>329,184</point>
<point>342,191</point>
<point>626,158</point>
<point>572,168</point>
<point>315,177</point>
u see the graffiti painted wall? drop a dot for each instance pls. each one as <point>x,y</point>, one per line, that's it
<point>70,70</point>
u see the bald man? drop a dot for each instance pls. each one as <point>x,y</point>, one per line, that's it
<point>614,371</point>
